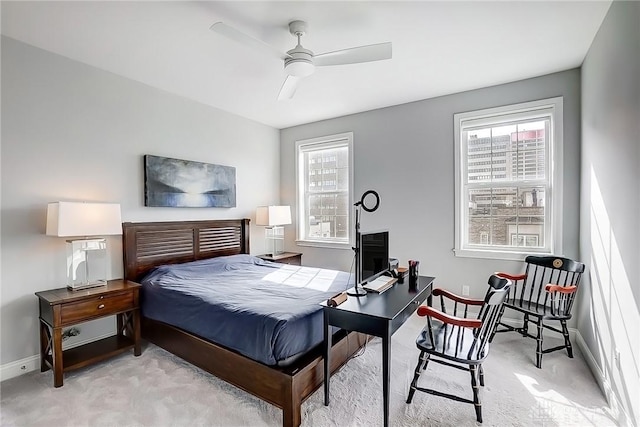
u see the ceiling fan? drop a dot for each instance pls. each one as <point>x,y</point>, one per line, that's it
<point>300,62</point>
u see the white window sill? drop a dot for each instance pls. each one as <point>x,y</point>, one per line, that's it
<point>497,254</point>
<point>322,244</point>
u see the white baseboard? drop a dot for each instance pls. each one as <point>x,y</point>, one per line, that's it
<point>19,367</point>
<point>31,363</point>
<point>617,409</point>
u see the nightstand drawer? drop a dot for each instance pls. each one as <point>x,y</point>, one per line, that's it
<point>97,306</point>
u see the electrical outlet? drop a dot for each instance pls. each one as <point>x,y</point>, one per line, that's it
<point>465,291</point>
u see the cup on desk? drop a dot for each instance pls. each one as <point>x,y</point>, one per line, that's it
<point>413,274</point>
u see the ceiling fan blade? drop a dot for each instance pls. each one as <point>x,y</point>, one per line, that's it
<point>354,55</point>
<point>240,37</point>
<point>289,87</point>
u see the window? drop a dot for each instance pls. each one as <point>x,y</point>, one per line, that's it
<point>324,172</point>
<point>508,180</point>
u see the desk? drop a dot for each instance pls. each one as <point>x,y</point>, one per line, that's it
<point>379,315</point>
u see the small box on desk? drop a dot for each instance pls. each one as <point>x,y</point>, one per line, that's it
<point>402,272</point>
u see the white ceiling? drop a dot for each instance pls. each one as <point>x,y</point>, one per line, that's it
<point>438,47</point>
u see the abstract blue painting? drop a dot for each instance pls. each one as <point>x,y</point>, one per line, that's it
<point>184,183</point>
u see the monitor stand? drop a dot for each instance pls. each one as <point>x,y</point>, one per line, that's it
<point>356,291</point>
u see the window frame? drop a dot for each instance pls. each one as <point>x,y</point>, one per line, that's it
<point>551,108</point>
<point>337,140</point>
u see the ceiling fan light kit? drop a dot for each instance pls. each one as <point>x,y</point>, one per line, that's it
<point>299,62</point>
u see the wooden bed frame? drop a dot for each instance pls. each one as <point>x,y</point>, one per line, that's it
<point>147,245</point>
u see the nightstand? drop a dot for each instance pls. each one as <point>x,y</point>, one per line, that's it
<point>292,258</point>
<point>61,308</point>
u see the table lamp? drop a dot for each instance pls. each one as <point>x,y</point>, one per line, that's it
<point>274,217</point>
<point>87,251</point>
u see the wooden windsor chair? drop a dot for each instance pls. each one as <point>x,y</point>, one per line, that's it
<point>544,292</point>
<point>459,338</point>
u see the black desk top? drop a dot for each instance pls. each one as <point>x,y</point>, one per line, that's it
<point>388,304</point>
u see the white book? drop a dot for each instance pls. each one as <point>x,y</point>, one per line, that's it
<point>380,284</point>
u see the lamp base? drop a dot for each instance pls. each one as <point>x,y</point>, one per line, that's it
<point>356,291</point>
<point>275,254</point>
<point>81,286</point>
<point>86,263</point>
<point>274,239</point>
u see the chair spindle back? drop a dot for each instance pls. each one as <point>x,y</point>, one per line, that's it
<point>484,323</point>
<point>540,272</point>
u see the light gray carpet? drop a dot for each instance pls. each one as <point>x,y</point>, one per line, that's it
<point>159,389</point>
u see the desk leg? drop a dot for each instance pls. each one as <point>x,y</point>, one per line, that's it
<point>327,361</point>
<point>386,371</point>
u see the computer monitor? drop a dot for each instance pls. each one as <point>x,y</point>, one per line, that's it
<point>374,254</point>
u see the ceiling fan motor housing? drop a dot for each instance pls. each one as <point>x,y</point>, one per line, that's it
<point>300,62</point>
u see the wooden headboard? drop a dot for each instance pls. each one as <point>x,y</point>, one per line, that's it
<point>150,244</point>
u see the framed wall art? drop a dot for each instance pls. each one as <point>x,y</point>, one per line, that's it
<point>184,183</point>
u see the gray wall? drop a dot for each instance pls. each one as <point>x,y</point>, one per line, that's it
<point>406,154</point>
<point>609,310</point>
<point>73,132</point>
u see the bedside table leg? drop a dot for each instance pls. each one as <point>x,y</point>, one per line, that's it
<point>121,324</point>
<point>45,343</point>
<point>56,353</point>
<point>137,351</point>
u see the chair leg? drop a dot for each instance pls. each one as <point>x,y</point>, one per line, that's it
<point>481,375</point>
<point>539,345</point>
<point>476,395</point>
<point>423,359</point>
<point>567,342</point>
<point>525,325</point>
<point>426,361</point>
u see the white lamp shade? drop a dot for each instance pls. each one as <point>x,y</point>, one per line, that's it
<point>273,215</point>
<point>66,219</point>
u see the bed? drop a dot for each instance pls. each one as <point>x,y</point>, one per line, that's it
<point>284,378</point>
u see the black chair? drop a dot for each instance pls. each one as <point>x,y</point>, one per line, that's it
<point>458,338</point>
<point>544,292</point>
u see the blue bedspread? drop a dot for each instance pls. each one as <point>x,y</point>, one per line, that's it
<point>266,311</point>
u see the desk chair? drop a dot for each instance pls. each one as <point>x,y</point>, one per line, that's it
<point>545,291</point>
<point>459,339</point>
